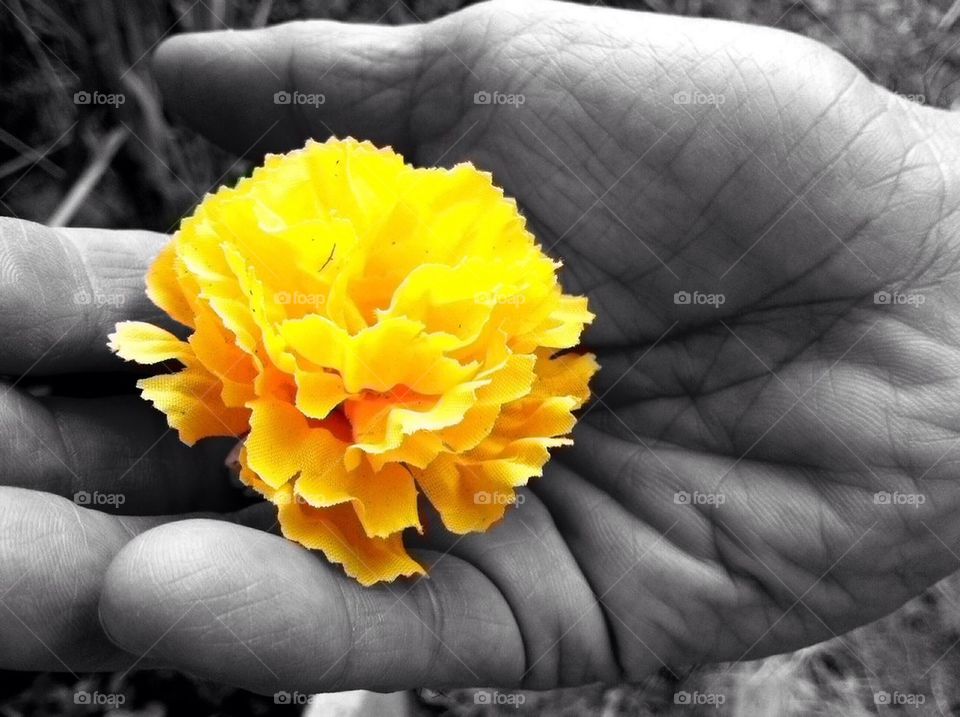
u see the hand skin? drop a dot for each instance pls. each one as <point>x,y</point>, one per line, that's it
<point>794,402</point>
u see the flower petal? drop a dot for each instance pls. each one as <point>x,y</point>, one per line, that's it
<point>393,352</point>
<point>385,500</point>
<point>147,344</point>
<point>337,532</point>
<point>319,392</point>
<point>191,400</point>
<point>164,288</point>
<point>466,497</point>
<point>283,447</point>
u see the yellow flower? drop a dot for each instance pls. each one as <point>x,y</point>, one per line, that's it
<point>375,331</point>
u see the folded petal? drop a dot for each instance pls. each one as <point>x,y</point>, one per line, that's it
<point>338,533</point>
<point>565,324</point>
<point>284,447</point>
<point>164,288</point>
<point>393,352</point>
<point>385,500</point>
<point>147,344</point>
<point>191,401</point>
<point>319,392</point>
<point>467,498</point>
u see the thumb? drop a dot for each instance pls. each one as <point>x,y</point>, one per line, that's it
<point>255,91</point>
<point>236,605</point>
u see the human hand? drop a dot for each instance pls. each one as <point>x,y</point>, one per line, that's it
<point>85,468</point>
<point>795,401</point>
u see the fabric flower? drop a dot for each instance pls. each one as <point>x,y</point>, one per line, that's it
<point>374,332</point>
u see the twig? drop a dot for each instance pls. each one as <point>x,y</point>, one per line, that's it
<point>16,164</point>
<point>88,180</point>
<point>950,16</point>
<point>34,155</point>
<point>261,14</point>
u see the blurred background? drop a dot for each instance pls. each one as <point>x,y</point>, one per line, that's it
<point>116,161</point>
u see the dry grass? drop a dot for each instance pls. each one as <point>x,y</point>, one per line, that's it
<point>48,143</point>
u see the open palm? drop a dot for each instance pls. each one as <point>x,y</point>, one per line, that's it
<point>767,240</point>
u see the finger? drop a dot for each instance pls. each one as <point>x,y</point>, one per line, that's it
<point>53,558</point>
<point>564,633</point>
<point>114,454</point>
<point>63,290</point>
<point>636,573</point>
<point>255,610</point>
<point>369,81</point>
